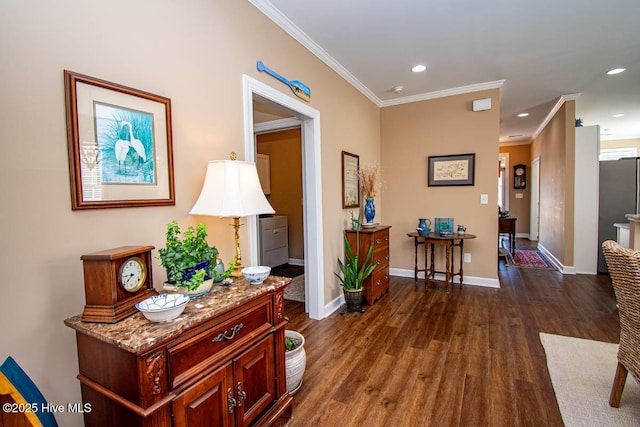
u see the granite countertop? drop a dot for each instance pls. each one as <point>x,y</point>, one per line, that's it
<point>135,333</point>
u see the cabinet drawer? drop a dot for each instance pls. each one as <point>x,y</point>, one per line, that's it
<point>274,238</point>
<point>377,285</point>
<point>203,351</point>
<point>381,258</point>
<point>381,240</point>
<point>276,257</point>
<point>273,222</point>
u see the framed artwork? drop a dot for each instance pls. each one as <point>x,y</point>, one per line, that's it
<point>350,180</point>
<point>456,169</point>
<point>119,143</point>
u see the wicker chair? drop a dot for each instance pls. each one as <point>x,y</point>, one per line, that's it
<point>624,269</point>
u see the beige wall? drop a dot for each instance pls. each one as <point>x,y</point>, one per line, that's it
<point>555,146</point>
<point>193,52</point>
<point>285,154</point>
<point>413,132</point>
<point>519,208</point>
<point>621,143</point>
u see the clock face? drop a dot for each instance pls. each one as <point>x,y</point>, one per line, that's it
<point>519,171</point>
<point>132,274</point>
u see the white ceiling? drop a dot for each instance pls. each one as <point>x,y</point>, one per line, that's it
<point>535,50</point>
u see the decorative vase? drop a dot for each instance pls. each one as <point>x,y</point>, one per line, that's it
<point>369,210</point>
<point>424,226</point>
<point>218,271</point>
<point>295,362</point>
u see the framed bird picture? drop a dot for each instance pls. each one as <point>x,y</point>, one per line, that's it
<point>119,143</point>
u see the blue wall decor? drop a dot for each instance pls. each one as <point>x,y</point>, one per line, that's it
<point>299,89</point>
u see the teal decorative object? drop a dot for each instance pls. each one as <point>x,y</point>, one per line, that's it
<point>299,89</point>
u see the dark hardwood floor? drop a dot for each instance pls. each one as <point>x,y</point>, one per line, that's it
<point>469,357</point>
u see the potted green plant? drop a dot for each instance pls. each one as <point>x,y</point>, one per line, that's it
<point>354,273</point>
<point>187,256</point>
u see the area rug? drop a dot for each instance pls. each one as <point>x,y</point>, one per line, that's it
<point>582,373</point>
<point>295,290</point>
<point>528,259</point>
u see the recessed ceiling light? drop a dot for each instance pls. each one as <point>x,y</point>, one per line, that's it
<point>523,114</point>
<point>418,68</point>
<point>616,71</point>
<point>618,115</point>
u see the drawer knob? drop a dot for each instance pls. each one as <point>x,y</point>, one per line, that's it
<point>224,336</point>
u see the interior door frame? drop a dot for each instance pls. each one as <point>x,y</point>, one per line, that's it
<point>311,185</point>
<point>534,220</point>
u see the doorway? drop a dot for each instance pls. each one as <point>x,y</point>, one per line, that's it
<point>255,91</point>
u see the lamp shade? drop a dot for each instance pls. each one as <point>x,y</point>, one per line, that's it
<point>231,189</point>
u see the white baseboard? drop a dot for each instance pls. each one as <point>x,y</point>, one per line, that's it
<point>333,305</point>
<point>468,280</point>
<point>564,269</point>
<point>295,261</point>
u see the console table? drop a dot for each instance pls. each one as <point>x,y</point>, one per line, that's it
<point>449,243</point>
<point>221,363</point>
<point>507,225</point>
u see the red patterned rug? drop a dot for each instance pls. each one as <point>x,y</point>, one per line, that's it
<point>528,259</point>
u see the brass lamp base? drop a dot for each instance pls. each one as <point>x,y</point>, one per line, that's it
<point>237,272</point>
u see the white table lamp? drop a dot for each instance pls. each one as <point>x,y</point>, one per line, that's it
<point>232,189</point>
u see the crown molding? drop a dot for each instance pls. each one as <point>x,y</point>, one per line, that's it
<point>497,84</point>
<point>271,12</point>
<point>554,110</point>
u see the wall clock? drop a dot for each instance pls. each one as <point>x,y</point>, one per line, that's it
<point>115,280</point>
<point>520,177</point>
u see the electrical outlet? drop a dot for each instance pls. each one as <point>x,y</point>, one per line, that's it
<point>467,257</point>
<point>484,199</point>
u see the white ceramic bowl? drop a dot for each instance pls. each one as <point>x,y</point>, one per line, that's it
<point>163,307</point>
<point>256,275</point>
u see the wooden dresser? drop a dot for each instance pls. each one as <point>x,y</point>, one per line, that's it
<point>221,363</point>
<point>376,285</point>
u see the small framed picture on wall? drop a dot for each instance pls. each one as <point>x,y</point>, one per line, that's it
<point>350,180</point>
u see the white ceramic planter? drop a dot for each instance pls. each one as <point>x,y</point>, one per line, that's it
<point>295,363</point>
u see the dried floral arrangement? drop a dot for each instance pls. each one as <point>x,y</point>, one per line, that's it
<point>369,177</point>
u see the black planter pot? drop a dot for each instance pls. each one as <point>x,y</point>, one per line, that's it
<point>354,300</point>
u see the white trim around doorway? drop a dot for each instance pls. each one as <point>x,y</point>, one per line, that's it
<point>311,183</point>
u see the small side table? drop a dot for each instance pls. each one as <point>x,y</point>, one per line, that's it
<point>449,242</point>
<point>507,225</point>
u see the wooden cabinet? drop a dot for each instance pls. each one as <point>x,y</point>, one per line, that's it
<point>235,394</point>
<point>274,241</point>
<point>377,284</point>
<point>214,366</point>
